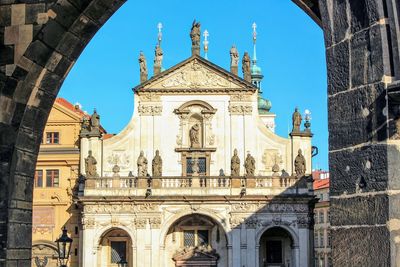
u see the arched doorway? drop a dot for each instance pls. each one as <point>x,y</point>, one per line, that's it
<point>196,240</point>
<point>276,248</point>
<point>44,255</point>
<point>114,245</point>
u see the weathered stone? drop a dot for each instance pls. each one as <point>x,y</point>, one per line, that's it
<point>339,19</point>
<point>84,27</point>
<point>38,52</point>
<point>6,54</point>
<point>371,210</point>
<point>338,62</point>
<point>361,246</point>
<point>52,33</point>
<point>347,167</point>
<point>66,13</point>
<point>363,14</point>
<point>32,12</point>
<point>70,46</point>
<point>5,18</point>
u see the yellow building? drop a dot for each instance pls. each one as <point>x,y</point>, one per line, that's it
<point>56,180</point>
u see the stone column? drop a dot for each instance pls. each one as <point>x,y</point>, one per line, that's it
<point>296,256</point>
<point>236,247</point>
<point>304,249</point>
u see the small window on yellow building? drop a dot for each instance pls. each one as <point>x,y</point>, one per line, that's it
<point>39,178</point>
<point>52,178</point>
<point>52,138</point>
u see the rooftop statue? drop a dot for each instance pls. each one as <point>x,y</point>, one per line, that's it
<point>235,164</point>
<point>246,67</point>
<point>158,59</point>
<point>296,120</point>
<point>157,165</point>
<point>90,165</point>
<point>142,165</point>
<point>195,36</point>
<point>300,164</point>
<point>234,60</point>
<point>143,67</point>
<point>250,165</point>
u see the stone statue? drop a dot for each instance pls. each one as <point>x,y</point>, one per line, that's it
<point>234,60</point>
<point>157,165</point>
<point>235,164</point>
<point>300,164</point>
<point>246,67</point>
<point>396,135</point>
<point>143,67</point>
<point>142,165</point>
<point>95,121</point>
<point>296,120</point>
<point>158,60</point>
<point>194,135</point>
<point>195,36</point>
<point>195,167</point>
<point>90,165</point>
<point>85,124</point>
<point>250,165</point>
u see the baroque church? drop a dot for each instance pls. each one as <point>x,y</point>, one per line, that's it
<point>198,177</point>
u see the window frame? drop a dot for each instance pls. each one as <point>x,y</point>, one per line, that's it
<point>53,178</point>
<point>196,235</point>
<point>52,138</point>
<point>37,177</point>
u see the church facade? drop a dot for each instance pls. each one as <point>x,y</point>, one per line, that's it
<point>198,177</point>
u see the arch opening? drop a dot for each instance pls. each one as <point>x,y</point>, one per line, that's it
<point>114,245</point>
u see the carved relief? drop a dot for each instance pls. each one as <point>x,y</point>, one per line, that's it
<point>195,76</point>
<point>119,158</point>
<point>88,223</point>
<point>303,221</point>
<point>149,110</point>
<point>272,160</point>
<point>43,219</point>
<point>140,223</point>
<point>150,97</point>
<point>241,97</point>
<point>252,223</point>
<point>236,221</point>
<point>240,109</point>
<point>155,222</point>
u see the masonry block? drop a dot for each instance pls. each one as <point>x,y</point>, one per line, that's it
<point>338,62</point>
<point>339,19</point>
<point>364,13</point>
<point>38,52</point>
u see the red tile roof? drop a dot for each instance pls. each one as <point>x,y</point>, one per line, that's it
<point>321,183</point>
<point>106,136</point>
<point>63,102</point>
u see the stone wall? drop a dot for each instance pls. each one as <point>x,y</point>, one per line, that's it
<point>40,40</point>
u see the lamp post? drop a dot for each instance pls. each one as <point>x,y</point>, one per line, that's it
<point>63,248</point>
<point>307,117</point>
<point>122,262</point>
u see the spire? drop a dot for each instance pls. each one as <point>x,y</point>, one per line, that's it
<point>256,74</point>
<point>205,43</point>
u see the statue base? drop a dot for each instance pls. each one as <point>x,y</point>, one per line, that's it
<point>157,70</point>
<point>234,70</point>
<point>195,50</point>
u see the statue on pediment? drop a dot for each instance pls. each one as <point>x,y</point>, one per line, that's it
<point>246,67</point>
<point>157,165</point>
<point>143,67</point>
<point>235,164</point>
<point>158,60</point>
<point>195,36</point>
<point>296,120</point>
<point>90,165</point>
<point>142,165</point>
<point>300,164</point>
<point>234,60</point>
<point>250,165</point>
<point>194,136</point>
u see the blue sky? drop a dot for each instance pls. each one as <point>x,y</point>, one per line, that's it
<point>290,51</point>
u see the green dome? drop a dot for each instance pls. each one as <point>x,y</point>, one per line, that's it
<point>264,105</point>
<point>255,70</point>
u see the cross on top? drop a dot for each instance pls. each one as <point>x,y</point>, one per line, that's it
<point>159,27</point>
<point>254,26</point>
<point>205,34</point>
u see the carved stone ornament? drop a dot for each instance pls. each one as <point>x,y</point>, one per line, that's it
<point>195,76</point>
<point>300,164</point>
<point>252,223</point>
<point>88,222</point>
<point>90,165</point>
<point>155,222</point>
<point>141,223</point>
<point>236,221</point>
<point>240,109</point>
<point>149,97</point>
<point>303,221</point>
<point>149,110</point>
<point>241,97</point>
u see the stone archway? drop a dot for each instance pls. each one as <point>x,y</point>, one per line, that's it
<point>362,43</point>
<point>277,248</point>
<point>114,244</point>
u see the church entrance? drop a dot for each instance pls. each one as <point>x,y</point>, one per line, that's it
<point>197,241</point>
<point>115,245</point>
<point>276,248</point>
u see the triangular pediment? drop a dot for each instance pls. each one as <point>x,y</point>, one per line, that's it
<point>195,74</point>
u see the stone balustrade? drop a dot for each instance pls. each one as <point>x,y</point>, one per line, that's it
<point>195,186</point>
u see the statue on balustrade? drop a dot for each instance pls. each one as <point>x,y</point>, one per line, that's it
<point>234,60</point>
<point>195,34</point>
<point>90,165</point>
<point>250,165</point>
<point>143,67</point>
<point>296,120</point>
<point>157,165</point>
<point>300,164</point>
<point>235,164</point>
<point>246,67</point>
<point>194,135</point>
<point>142,165</point>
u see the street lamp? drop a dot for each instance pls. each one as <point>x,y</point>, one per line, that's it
<point>63,247</point>
<point>122,262</point>
<point>307,117</point>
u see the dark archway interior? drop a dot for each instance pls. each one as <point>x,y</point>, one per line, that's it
<point>362,47</point>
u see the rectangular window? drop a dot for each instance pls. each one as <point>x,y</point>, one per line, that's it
<point>201,163</point>
<point>316,244</point>
<point>52,178</point>
<point>188,238</point>
<point>202,237</point>
<point>316,217</point>
<point>52,138</point>
<point>39,178</point>
<point>321,240</point>
<point>321,217</point>
<point>118,251</point>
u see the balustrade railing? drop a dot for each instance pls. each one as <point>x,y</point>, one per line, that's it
<point>220,185</point>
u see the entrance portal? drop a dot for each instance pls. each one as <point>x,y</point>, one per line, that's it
<point>114,246</point>
<point>276,248</point>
